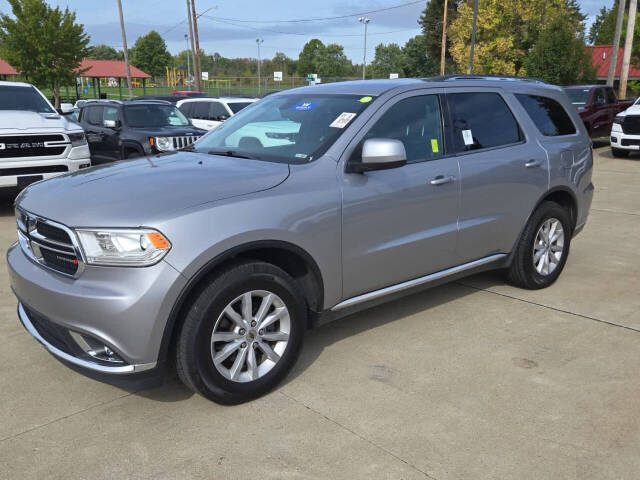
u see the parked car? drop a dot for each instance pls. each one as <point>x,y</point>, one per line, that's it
<point>166,98</point>
<point>220,257</point>
<point>625,131</point>
<point>36,142</point>
<point>188,93</point>
<point>117,130</point>
<point>597,105</point>
<point>209,113</point>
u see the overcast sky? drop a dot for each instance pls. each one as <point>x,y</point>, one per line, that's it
<point>232,36</point>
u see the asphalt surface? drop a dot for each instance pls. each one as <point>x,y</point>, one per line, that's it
<point>474,380</point>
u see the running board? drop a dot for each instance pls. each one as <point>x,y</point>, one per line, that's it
<point>365,297</point>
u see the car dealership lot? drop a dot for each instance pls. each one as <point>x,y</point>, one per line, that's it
<point>474,379</point>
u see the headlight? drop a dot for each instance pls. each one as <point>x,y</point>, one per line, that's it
<point>619,119</point>
<point>164,144</point>
<point>77,139</point>
<point>119,247</point>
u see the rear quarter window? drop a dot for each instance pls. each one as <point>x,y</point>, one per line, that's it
<point>548,115</point>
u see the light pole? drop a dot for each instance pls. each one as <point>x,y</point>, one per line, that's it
<point>126,51</point>
<point>473,35</point>
<point>258,42</point>
<point>186,39</point>
<point>365,22</point>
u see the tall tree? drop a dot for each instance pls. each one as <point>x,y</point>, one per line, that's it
<point>388,59</point>
<point>507,30</point>
<point>417,62</point>
<point>150,54</point>
<point>308,59</point>
<point>45,44</point>
<point>431,23</point>
<point>104,52</point>
<point>332,62</point>
<point>560,56</point>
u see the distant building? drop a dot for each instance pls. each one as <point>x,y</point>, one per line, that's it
<point>601,58</point>
<point>6,71</point>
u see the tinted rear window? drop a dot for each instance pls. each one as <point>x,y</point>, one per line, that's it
<point>549,116</point>
<point>237,106</point>
<point>482,120</point>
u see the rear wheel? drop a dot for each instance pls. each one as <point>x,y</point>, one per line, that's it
<point>619,153</point>
<point>242,334</point>
<point>543,248</point>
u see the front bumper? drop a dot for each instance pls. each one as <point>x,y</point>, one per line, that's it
<point>625,141</point>
<point>34,166</point>
<point>126,309</point>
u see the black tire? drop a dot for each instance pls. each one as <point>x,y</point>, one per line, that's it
<point>522,271</point>
<point>194,362</point>
<point>619,153</point>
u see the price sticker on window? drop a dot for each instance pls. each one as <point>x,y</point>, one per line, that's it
<point>343,120</point>
<point>467,136</point>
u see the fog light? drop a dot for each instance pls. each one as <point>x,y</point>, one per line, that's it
<point>614,139</point>
<point>96,349</point>
<point>84,165</point>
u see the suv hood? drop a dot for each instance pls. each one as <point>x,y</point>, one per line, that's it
<point>632,110</point>
<point>132,193</point>
<point>170,131</point>
<point>19,121</point>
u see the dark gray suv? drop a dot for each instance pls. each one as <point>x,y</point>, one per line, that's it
<point>306,206</point>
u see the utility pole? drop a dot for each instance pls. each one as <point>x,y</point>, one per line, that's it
<point>613,62</point>
<point>444,38</point>
<point>473,35</point>
<point>126,52</point>
<point>193,48</point>
<point>258,42</point>
<point>186,39</point>
<point>628,45</point>
<point>196,61</point>
<point>365,22</point>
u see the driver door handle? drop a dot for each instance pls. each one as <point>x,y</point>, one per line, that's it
<point>441,180</point>
<point>533,163</point>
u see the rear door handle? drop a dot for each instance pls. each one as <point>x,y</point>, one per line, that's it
<point>533,163</point>
<point>441,180</point>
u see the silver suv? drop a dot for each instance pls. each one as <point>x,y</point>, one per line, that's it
<point>306,206</point>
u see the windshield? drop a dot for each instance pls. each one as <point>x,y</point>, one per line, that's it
<point>237,106</point>
<point>150,115</point>
<point>23,98</point>
<point>578,96</point>
<point>289,128</point>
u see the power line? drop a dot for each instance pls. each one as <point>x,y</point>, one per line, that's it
<point>320,19</point>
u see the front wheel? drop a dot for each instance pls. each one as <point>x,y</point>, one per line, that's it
<point>543,248</point>
<point>242,334</point>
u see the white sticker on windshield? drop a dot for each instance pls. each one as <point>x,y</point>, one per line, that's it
<point>343,120</point>
<point>467,136</point>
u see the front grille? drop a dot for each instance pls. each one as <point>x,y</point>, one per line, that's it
<point>628,142</point>
<point>631,125</point>
<point>181,142</point>
<point>52,333</point>
<point>4,172</point>
<point>49,244</point>
<point>17,146</point>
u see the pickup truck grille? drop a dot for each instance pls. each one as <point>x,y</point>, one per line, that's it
<point>631,125</point>
<point>49,244</point>
<point>18,146</point>
<point>181,142</point>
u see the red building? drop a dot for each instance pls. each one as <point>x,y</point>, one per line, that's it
<point>601,58</point>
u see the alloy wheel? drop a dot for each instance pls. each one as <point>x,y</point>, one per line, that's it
<point>548,246</point>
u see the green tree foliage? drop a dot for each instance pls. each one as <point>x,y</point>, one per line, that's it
<point>507,31</point>
<point>150,54</point>
<point>332,62</point>
<point>417,62</point>
<point>309,57</point>
<point>104,52</point>
<point>45,44</point>
<point>431,23</point>
<point>389,59</point>
<point>560,55</point>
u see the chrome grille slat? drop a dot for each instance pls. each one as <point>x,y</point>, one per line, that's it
<point>183,141</point>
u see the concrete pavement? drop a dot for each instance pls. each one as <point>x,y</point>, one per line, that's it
<point>472,380</point>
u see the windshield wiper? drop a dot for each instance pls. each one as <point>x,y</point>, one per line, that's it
<point>230,153</point>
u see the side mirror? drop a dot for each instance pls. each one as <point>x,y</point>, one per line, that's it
<point>110,124</point>
<point>380,154</point>
<point>66,108</point>
<point>222,118</point>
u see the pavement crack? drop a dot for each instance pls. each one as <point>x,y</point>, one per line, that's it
<point>560,310</point>
<point>106,402</point>
<point>373,444</point>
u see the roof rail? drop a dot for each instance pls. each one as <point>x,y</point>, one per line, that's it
<point>508,78</point>
<point>103,100</point>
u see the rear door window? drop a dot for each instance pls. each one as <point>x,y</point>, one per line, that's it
<point>216,109</point>
<point>201,110</point>
<point>186,108</point>
<point>549,116</point>
<point>611,95</point>
<point>482,120</point>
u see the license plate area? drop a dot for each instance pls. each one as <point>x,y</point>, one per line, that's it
<point>24,182</point>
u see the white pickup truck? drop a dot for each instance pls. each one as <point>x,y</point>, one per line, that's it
<point>36,142</point>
